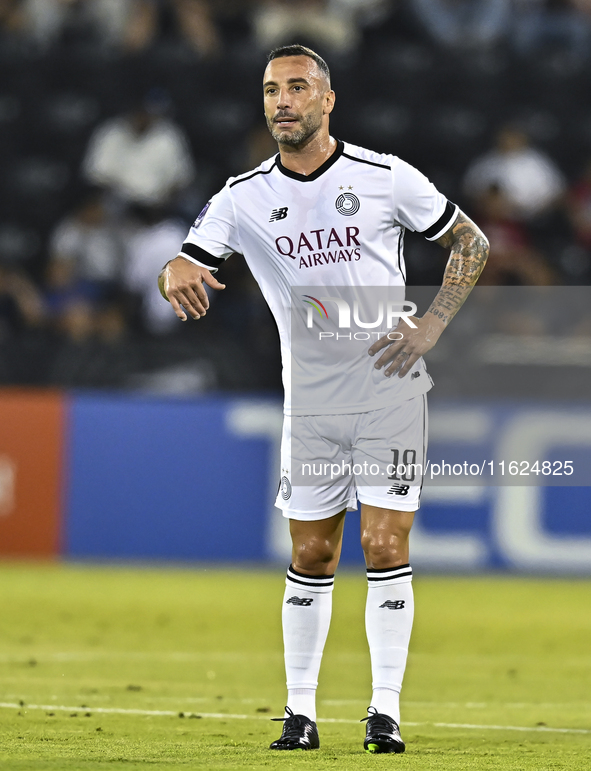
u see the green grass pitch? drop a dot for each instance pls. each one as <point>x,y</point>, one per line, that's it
<point>135,668</point>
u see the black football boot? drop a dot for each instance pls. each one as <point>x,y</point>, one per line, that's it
<point>299,733</point>
<point>382,733</point>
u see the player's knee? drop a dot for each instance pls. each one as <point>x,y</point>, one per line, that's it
<point>315,556</point>
<point>385,550</point>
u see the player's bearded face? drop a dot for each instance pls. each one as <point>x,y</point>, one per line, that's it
<point>295,99</point>
<point>308,124</point>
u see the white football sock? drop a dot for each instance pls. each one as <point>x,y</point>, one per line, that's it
<point>388,623</point>
<point>307,608</point>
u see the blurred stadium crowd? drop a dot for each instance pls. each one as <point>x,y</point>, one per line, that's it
<point>120,118</point>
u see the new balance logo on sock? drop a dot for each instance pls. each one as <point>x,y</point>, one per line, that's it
<point>306,601</point>
<point>393,604</point>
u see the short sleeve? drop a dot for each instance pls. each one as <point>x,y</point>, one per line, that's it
<point>214,235</point>
<point>418,205</point>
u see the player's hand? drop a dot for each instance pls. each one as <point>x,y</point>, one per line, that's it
<point>401,355</point>
<point>181,283</point>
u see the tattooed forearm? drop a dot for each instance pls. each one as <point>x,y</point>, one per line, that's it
<point>469,252</point>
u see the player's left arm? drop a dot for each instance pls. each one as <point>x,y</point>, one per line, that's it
<point>469,252</point>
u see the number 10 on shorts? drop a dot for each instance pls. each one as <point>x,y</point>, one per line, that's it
<point>403,470</point>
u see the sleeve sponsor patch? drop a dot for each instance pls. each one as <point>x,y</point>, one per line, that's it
<point>201,215</point>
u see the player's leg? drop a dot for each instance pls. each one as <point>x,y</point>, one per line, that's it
<point>394,440</point>
<point>307,606</point>
<point>316,514</point>
<point>307,609</point>
<point>390,604</point>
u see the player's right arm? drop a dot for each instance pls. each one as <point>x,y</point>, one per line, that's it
<point>181,283</point>
<point>211,240</point>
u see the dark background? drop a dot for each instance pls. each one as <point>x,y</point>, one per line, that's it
<point>399,90</point>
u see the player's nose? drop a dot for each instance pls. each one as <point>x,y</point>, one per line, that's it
<point>284,100</point>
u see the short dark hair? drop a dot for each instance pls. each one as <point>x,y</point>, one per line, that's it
<point>299,50</point>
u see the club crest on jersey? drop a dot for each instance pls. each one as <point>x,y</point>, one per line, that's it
<point>347,204</point>
<point>285,488</point>
<point>278,214</point>
<point>201,215</point>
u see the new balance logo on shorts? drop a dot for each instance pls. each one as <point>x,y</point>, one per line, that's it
<point>278,214</point>
<point>305,601</point>
<point>399,490</point>
<point>393,604</point>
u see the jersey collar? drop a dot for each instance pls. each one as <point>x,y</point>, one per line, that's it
<point>318,172</point>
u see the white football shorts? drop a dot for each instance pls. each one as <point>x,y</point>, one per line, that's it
<point>329,462</point>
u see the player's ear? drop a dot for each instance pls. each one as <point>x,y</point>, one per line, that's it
<point>329,100</point>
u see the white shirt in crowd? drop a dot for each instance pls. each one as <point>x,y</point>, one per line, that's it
<point>145,250</point>
<point>44,20</point>
<point>96,251</point>
<point>142,168</point>
<point>528,178</point>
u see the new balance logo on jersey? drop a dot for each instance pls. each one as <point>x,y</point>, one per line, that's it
<point>398,490</point>
<point>305,601</point>
<point>393,604</point>
<point>415,375</point>
<point>278,214</point>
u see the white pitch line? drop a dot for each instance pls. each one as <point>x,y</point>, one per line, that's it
<point>467,704</point>
<point>224,716</point>
<point>182,657</point>
<point>539,728</point>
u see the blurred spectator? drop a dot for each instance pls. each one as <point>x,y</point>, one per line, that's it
<point>464,24</point>
<point>47,22</point>
<point>564,24</point>
<point>93,351</point>
<point>576,257</point>
<point>530,181</point>
<point>125,24</point>
<point>140,28</point>
<point>83,275</point>
<point>72,304</point>
<point>142,157</point>
<point>364,11</point>
<point>21,307</point>
<point>157,239</point>
<point>10,18</point>
<point>87,246</point>
<point>193,21</point>
<point>89,346</point>
<point>578,204</point>
<point>512,259</point>
<point>197,25</point>
<point>279,22</point>
<point>259,146</point>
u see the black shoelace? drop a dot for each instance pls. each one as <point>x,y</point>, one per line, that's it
<point>380,722</point>
<point>292,725</point>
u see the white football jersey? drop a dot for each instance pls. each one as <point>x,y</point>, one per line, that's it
<point>341,226</point>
